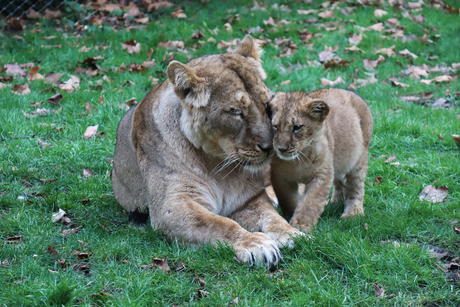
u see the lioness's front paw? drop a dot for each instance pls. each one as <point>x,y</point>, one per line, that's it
<point>257,248</point>
<point>301,225</point>
<point>285,237</point>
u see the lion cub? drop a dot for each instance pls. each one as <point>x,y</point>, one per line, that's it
<point>321,138</point>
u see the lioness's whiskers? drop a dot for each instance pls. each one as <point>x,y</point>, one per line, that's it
<point>239,162</point>
<point>225,162</point>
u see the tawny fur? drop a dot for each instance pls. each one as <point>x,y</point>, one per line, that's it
<point>192,155</point>
<point>321,138</point>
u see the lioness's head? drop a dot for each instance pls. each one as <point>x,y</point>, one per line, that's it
<point>224,100</point>
<point>297,120</point>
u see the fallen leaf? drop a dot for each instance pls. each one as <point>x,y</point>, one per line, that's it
<point>326,14</point>
<point>325,56</point>
<point>336,63</point>
<point>354,48</point>
<point>201,293</point>
<point>389,52</point>
<point>53,78</point>
<point>200,281</point>
<point>438,79</point>
<point>55,99</point>
<point>366,227</point>
<point>14,240</point>
<point>440,137</point>
<point>13,69</point>
<point>21,89</point>
<point>392,22</point>
<point>441,102</point>
<point>371,64</point>
<point>198,34</point>
<point>34,75</point>
<point>407,52</point>
<point>355,39</point>
<point>378,180</point>
<point>131,46</point>
<point>178,13</point>
<point>70,85</point>
<point>287,82</point>
<point>415,72</point>
<point>379,290</point>
<point>456,138</point>
<point>52,14</point>
<point>440,256</point>
<point>415,5</point>
<point>82,267</point>
<point>395,82</point>
<point>269,22</point>
<point>379,13</point>
<point>43,144</point>
<point>306,12</point>
<point>87,172</point>
<point>174,45</point>
<point>180,267</point>
<point>162,264</point>
<point>326,82</point>
<point>456,229</point>
<point>73,230</point>
<point>56,217</point>
<point>390,158</point>
<point>52,250</point>
<point>433,195</point>
<point>90,131</point>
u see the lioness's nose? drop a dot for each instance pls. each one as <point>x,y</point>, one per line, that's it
<point>266,146</point>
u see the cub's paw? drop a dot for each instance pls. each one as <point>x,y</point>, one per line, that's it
<point>352,212</point>
<point>257,248</point>
<point>285,237</point>
<point>301,225</point>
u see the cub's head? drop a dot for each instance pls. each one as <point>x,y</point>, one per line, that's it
<point>224,100</point>
<point>297,120</point>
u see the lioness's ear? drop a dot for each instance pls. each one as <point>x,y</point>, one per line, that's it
<point>317,109</point>
<point>187,85</point>
<point>249,48</point>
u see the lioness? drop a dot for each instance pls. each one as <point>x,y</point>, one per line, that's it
<point>192,153</point>
<point>320,138</point>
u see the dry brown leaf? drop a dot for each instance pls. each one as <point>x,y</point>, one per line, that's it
<point>52,14</point>
<point>392,22</point>
<point>287,82</point>
<point>371,64</point>
<point>34,75</point>
<point>379,13</point>
<point>307,12</point>
<point>379,290</point>
<point>21,89</point>
<point>389,52</point>
<point>90,131</point>
<point>179,13</point>
<point>269,22</point>
<point>415,5</point>
<point>354,48</point>
<point>326,14</point>
<point>433,195</point>
<point>325,56</point>
<point>395,82</point>
<point>326,82</point>
<point>198,34</point>
<point>201,293</point>
<point>53,78</point>
<point>456,229</point>
<point>390,158</point>
<point>87,172</point>
<point>71,85</point>
<point>56,217</point>
<point>55,99</point>
<point>13,69</point>
<point>143,20</point>
<point>174,45</point>
<point>73,230</point>
<point>438,79</point>
<point>43,144</point>
<point>355,39</point>
<point>407,52</point>
<point>456,138</point>
<point>364,82</point>
<point>131,46</point>
<point>52,250</point>
<point>415,72</point>
<point>162,264</point>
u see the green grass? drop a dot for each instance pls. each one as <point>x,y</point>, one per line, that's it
<point>338,268</point>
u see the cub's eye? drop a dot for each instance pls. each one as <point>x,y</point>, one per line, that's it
<point>233,111</point>
<point>276,128</point>
<point>296,128</point>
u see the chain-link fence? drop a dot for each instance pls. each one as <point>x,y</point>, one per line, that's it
<point>20,8</point>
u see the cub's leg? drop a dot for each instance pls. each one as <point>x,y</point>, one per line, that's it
<point>309,210</point>
<point>354,189</point>
<point>183,218</point>
<point>339,187</point>
<point>260,215</point>
<point>287,193</point>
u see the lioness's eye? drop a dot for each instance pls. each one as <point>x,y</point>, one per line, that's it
<point>296,128</point>
<point>235,111</point>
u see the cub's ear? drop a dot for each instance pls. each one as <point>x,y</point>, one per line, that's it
<point>189,87</point>
<point>317,109</point>
<point>249,48</point>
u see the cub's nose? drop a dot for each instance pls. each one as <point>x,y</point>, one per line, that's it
<point>282,148</point>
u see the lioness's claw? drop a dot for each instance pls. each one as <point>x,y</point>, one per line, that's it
<point>258,249</point>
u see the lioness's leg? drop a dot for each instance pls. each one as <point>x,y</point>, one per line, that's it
<point>309,210</point>
<point>185,219</point>
<point>260,215</point>
<point>354,190</point>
